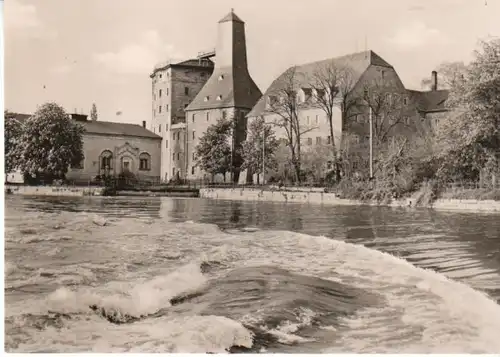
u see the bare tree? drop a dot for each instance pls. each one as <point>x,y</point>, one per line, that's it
<point>350,101</point>
<point>284,104</point>
<point>333,88</point>
<point>388,108</point>
<point>449,74</point>
<point>325,83</point>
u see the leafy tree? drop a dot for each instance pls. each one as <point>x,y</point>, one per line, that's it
<point>260,143</point>
<point>469,138</point>
<point>93,112</point>
<point>12,135</point>
<point>213,153</point>
<point>50,142</point>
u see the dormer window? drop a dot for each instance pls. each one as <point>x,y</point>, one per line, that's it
<point>272,100</point>
<point>307,94</point>
<point>320,93</point>
<point>219,97</point>
<point>221,77</point>
<point>207,98</point>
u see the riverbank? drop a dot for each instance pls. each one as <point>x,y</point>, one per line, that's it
<point>53,191</point>
<point>315,197</point>
<point>65,191</point>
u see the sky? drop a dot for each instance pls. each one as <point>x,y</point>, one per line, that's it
<point>79,52</point>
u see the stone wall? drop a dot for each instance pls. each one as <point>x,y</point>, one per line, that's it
<point>314,197</point>
<point>53,191</point>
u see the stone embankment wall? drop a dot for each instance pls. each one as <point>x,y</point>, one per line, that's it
<point>53,190</point>
<point>314,197</point>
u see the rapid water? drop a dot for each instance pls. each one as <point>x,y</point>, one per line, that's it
<point>193,275</point>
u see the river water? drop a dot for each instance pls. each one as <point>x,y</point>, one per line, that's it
<point>194,275</point>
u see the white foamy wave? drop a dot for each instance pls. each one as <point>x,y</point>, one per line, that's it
<point>123,299</point>
<point>285,332</point>
<point>10,268</point>
<point>187,334</point>
<point>424,311</point>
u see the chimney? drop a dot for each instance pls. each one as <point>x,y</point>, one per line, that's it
<point>144,124</point>
<point>434,80</point>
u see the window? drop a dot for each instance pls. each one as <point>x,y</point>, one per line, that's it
<point>166,143</point>
<point>159,93</point>
<point>192,170</point>
<point>144,161</point>
<point>161,76</point>
<point>194,134</point>
<point>329,139</point>
<point>173,171</point>
<point>318,140</point>
<point>166,107</point>
<point>159,128</point>
<point>320,94</point>
<point>208,116</point>
<point>405,101</point>
<point>173,156</point>
<point>166,127</point>
<point>316,119</point>
<point>309,141</point>
<point>194,156</point>
<point>383,74</point>
<point>207,98</point>
<point>186,90</point>
<point>178,135</point>
<point>308,122</point>
<point>219,97</point>
<point>224,114</point>
<point>106,160</point>
<point>167,91</point>
<point>178,155</point>
<point>159,109</point>
<point>193,118</point>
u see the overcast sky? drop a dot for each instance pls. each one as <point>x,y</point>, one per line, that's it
<point>77,52</point>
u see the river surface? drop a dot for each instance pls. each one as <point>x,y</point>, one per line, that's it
<point>194,275</point>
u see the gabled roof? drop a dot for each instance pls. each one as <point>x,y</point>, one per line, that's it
<point>430,101</point>
<point>119,129</point>
<point>223,90</point>
<point>231,17</point>
<point>107,128</point>
<point>358,63</point>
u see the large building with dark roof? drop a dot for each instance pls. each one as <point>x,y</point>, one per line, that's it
<point>111,148</point>
<point>230,92</point>
<point>351,127</point>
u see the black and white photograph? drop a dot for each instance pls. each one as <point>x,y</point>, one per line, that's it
<point>235,177</point>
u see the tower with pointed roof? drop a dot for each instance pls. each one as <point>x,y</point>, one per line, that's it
<point>230,92</point>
